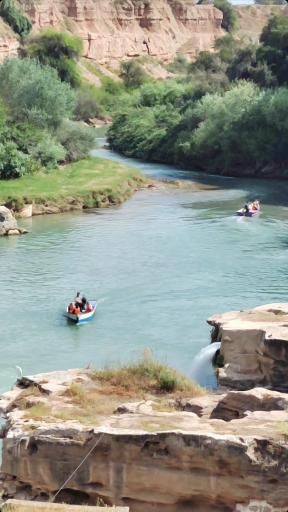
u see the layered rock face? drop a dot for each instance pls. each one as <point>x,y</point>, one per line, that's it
<point>9,42</point>
<point>165,461</point>
<point>254,345</point>
<point>115,29</point>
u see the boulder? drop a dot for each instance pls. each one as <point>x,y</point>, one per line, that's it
<point>7,221</point>
<point>145,407</point>
<point>254,346</point>
<point>237,404</point>
<point>201,405</point>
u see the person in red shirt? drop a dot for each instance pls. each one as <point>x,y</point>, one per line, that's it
<point>88,308</point>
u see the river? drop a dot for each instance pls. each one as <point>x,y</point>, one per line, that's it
<point>160,265</point>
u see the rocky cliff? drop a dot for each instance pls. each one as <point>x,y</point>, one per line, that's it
<point>254,346</point>
<point>118,29</point>
<point>115,29</point>
<point>142,457</point>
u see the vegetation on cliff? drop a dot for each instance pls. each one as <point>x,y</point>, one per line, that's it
<point>15,18</point>
<point>227,115</point>
<point>104,391</point>
<point>58,50</point>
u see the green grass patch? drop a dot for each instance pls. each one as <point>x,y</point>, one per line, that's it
<point>84,180</point>
<point>147,376</point>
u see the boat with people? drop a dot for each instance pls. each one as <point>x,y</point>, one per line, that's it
<point>249,209</point>
<point>81,311</point>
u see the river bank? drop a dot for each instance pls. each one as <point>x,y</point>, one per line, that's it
<point>89,183</point>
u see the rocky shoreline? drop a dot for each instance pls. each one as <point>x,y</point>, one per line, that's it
<point>225,451</point>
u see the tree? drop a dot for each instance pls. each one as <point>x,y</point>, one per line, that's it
<point>33,93</point>
<point>132,74</point>
<point>87,106</point>
<point>77,139</point>
<point>274,48</point>
<point>14,17</point>
<point>229,15</point>
<point>60,51</point>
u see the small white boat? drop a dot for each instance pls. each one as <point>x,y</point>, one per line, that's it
<point>82,318</point>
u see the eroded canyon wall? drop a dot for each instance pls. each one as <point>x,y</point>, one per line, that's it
<point>115,29</point>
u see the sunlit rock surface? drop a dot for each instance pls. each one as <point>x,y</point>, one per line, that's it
<point>147,459</point>
<point>254,346</point>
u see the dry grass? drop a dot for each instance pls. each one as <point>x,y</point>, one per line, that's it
<point>92,401</point>
<point>146,376</point>
<point>22,401</point>
<point>38,412</point>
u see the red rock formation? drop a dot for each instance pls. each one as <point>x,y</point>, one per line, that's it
<point>115,29</point>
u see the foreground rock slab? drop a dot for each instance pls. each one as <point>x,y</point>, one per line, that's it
<point>254,346</point>
<point>166,461</point>
<point>26,506</point>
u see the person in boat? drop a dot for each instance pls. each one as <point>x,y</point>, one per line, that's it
<point>74,309</point>
<point>78,299</point>
<point>246,209</point>
<point>88,308</point>
<point>256,205</point>
<point>83,304</point>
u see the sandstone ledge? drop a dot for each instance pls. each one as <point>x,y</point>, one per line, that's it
<point>254,346</point>
<point>165,461</point>
<point>27,506</point>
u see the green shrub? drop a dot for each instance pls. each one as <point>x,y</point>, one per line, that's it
<point>48,151</point>
<point>132,74</point>
<point>167,381</point>
<point>229,14</point>
<point>58,50</point>
<point>13,163</point>
<point>77,139</point>
<point>13,16</point>
<point>33,93</point>
<point>274,48</point>
<point>179,64</point>
<point>87,105</point>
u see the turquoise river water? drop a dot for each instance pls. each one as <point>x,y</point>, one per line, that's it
<point>160,265</point>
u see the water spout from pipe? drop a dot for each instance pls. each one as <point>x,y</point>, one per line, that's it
<point>202,370</point>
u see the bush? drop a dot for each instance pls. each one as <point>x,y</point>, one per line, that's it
<point>179,64</point>
<point>13,16</point>
<point>77,139</point>
<point>229,15</point>
<point>132,74</point>
<point>274,48</point>
<point>147,375</point>
<point>48,151</point>
<point>87,105</point>
<point>13,163</point>
<point>34,93</point>
<point>58,50</point>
